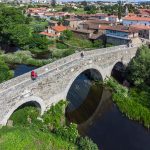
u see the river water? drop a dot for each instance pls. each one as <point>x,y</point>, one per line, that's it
<point>21,69</point>
<point>92,108</point>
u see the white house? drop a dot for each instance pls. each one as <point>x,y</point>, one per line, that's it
<point>135,20</point>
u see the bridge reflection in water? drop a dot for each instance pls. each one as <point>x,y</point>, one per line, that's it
<point>91,107</point>
<point>84,94</point>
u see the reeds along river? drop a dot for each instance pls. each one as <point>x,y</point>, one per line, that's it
<point>91,107</point>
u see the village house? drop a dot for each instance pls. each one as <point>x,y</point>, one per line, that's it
<point>144,31</point>
<point>93,24</point>
<point>54,31</point>
<point>53,23</point>
<point>136,20</point>
<point>37,12</point>
<point>119,35</point>
<point>73,22</point>
<point>144,13</point>
<point>82,33</point>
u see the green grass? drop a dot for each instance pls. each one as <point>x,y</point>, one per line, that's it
<point>24,57</point>
<point>79,11</point>
<point>78,42</point>
<point>19,138</point>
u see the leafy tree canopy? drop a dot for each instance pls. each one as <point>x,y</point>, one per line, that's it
<point>5,73</point>
<point>13,26</point>
<point>139,68</point>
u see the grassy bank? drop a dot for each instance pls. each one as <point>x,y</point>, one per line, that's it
<point>23,57</point>
<point>130,103</point>
<point>49,132</point>
<point>19,138</point>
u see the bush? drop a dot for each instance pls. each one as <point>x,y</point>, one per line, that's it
<point>21,116</point>
<point>59,53</point>
<point>87,144</point>
<point>5,72</point>
<point>70,133</point>
<point>61,46</point>
<point>54,117</point>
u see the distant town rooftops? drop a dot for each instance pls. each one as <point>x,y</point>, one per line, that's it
<point>73,19</point>
<point>122,28</point>
<point>104,27</point>
<point>82,30</point>
<point>92,15</point>
<point>136,18</point>
<point>140,27</point>
<point>98,21</point>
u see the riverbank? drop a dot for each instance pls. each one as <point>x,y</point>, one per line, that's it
<point>29,131</point>
<point>128,103</point>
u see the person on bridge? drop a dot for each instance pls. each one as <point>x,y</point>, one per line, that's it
<point>82,54</point>
<point>33,75</point>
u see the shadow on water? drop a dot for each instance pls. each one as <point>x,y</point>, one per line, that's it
<point>99,118</point>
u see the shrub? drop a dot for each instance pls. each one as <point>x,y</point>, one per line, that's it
<point>21,116</point>
<point>87,144</point>
<point>58,111</point>
<point>61,46</point>
<point>70,132</point>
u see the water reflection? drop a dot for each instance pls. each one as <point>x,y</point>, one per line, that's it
<point>80,99</point>
<point>99,118</point>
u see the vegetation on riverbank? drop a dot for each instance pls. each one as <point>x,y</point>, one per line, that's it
<point>51,131</point>
<point>135,101</point>
<point>131,102</point>
<point>5,72</point>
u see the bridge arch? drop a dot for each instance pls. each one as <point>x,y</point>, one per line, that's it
<point>117,71</point>
<point>36,100</point>
<point>81,70</point>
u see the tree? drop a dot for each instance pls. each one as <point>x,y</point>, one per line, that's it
<point>90,9</point>
<point>119,10</point>
<point>84,3</point>
<point>13,25</point>
<point>19,34</point>
<point>139,68</point>
<point>67,34</point>
<point>53,3</point>
<point>5,72</point>
<point>39,44</point>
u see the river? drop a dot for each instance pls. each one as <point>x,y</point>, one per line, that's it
<point>21,69</point>
<point>92,108</point>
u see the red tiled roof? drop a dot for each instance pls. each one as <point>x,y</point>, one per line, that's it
<point>98,21</point>
<point>103,27</point>
<point>137,18</point>
<point>140,27</point>
<point>122,28</point>
<point>47,34</point>
<point>59,28</point>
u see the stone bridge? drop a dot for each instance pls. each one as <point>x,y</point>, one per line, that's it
<point>55,79</point>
